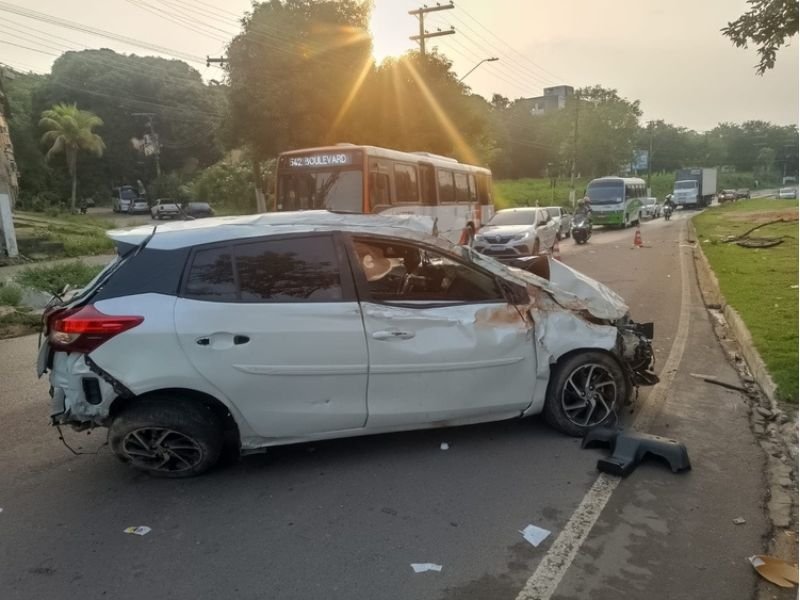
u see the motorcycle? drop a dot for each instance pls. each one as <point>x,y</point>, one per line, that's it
<point>581,229</point>
<point>667,212</point>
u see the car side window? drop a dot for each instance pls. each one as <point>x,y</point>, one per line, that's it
<point>297,269</point>
<point>211,276</point>
<point>407,273</point>
<point>304,269</point>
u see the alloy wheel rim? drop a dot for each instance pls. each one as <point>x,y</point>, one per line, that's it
<point>589,395</point>
<point>162,449</point>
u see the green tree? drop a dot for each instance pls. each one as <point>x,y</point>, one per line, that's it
<point>70,130</point>
<point>296,92</point>
<point>769,24</point>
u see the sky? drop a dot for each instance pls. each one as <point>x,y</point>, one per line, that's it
<point>670,56</point>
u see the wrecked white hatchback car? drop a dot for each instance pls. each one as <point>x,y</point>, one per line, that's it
<point>278,328</point>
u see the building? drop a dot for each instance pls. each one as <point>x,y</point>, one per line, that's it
<point>554,98</point>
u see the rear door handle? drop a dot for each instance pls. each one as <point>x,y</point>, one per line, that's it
<point>204,341</point>
<point>240,339</point>
<point>393,334</point>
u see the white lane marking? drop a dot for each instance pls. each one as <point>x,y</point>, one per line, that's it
<point>545,579</point>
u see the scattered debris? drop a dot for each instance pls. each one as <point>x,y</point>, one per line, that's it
<point>775,570</point>
<point>444,446</point>
<point>140,530</point>
<point>628,448</point>
<point>739,521</point>
<point>713,379</point>
<point>422,567</point>
<point>534,535</point>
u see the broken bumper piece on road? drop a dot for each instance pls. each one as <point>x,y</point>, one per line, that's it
<point>628,448</point>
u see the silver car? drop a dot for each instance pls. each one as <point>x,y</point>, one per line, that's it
<point>563,218</point>
<point>516,232</point>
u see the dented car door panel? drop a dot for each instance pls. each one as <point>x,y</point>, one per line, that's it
<point>458,363</point>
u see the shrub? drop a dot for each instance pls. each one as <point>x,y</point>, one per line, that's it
<point>10,295</point>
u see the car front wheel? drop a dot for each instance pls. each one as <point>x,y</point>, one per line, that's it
<point>586,390</point>
<point>167,437</point>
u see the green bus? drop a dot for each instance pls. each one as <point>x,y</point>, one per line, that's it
<point>616,201</point>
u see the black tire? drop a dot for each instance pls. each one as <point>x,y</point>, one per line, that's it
<point>563,409</point>
<point>191,442</point>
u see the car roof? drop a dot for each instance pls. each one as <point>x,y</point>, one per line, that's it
<point>520,209</point>
<point>182,234</point>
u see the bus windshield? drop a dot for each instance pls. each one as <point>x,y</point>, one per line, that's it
<point>606,192</point>
<point>338,190</point>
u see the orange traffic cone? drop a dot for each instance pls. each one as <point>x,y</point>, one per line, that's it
<point>637,239</point>
<point>556,253</point>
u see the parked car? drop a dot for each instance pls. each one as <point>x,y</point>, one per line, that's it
<point>743,194</point>
<point>563,217</point>
<point>165,208</point>
<point>278,328</point>
<point>138,206</point>
<point>648,208</point>
<point>726,196</point>
<point>122,197</point>
<point>787,193</point>
<point>515,232</point>
<point>198,210</point>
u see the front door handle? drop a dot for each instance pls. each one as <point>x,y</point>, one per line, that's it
<point>393,334</point>
<point>240,339</point>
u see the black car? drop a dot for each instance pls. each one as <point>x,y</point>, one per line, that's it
<point>198,210</point>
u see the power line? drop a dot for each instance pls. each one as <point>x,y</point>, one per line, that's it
<point>514,50</point>
<point>42,17</point>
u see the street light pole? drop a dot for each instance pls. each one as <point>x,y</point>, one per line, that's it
<point>492,59</point>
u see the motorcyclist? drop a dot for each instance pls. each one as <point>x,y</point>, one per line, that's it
<point>668,202</point>
<point>584,208</point>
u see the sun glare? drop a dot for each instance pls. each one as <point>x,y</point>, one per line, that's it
<point>389,38</point>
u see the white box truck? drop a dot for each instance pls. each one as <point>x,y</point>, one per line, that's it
<point>694,188</point>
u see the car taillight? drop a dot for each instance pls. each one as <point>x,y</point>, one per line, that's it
<point>83,329</point>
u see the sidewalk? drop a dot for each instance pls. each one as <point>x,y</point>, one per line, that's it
<point>11,271</point>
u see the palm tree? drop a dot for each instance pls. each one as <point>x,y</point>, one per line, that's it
<point>69,130</point>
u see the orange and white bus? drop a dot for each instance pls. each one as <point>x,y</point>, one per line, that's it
<point>367,179</point>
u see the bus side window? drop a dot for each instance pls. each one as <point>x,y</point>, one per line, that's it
<point>446,187</point>
<point>428,184</point>
<point>405,184</point>
<point>630,193</point>
<point>484,189</point>
<point>473,191</point>
<point>379,189</point>
<point>462,187</point>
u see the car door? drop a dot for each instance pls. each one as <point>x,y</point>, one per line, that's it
<point>444,344</point>
<point>275,326</point>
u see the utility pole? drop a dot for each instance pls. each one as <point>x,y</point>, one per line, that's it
<point>424,35</point>
<point>154,137</point>
<point>220,61</point>
<point>574,152</point>
<point>650,159</point>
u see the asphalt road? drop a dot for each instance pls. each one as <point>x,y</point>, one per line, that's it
<point>344,519</point>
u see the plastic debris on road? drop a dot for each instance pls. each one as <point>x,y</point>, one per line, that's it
<point>534,535</point>
<point>775,570</point>
<point>422,567</point>
<point>140,530</point>
<point>444,446</point>
<point>739,521</point>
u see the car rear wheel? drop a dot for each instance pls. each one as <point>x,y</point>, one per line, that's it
<point>167,437</point>
<point>585,391</point>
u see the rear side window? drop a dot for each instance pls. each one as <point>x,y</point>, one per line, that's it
<point>211,276</point>
<point>289,270</point>
<point>302,269</point>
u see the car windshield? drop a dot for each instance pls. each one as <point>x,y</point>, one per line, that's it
<point>685,185</point>
<point>340,190</point>
<point>605,192</point>
<point>513,217</point>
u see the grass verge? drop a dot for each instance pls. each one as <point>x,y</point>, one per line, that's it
<point>19,323</point>
<point>761,284</point>
<point>53,279</point>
